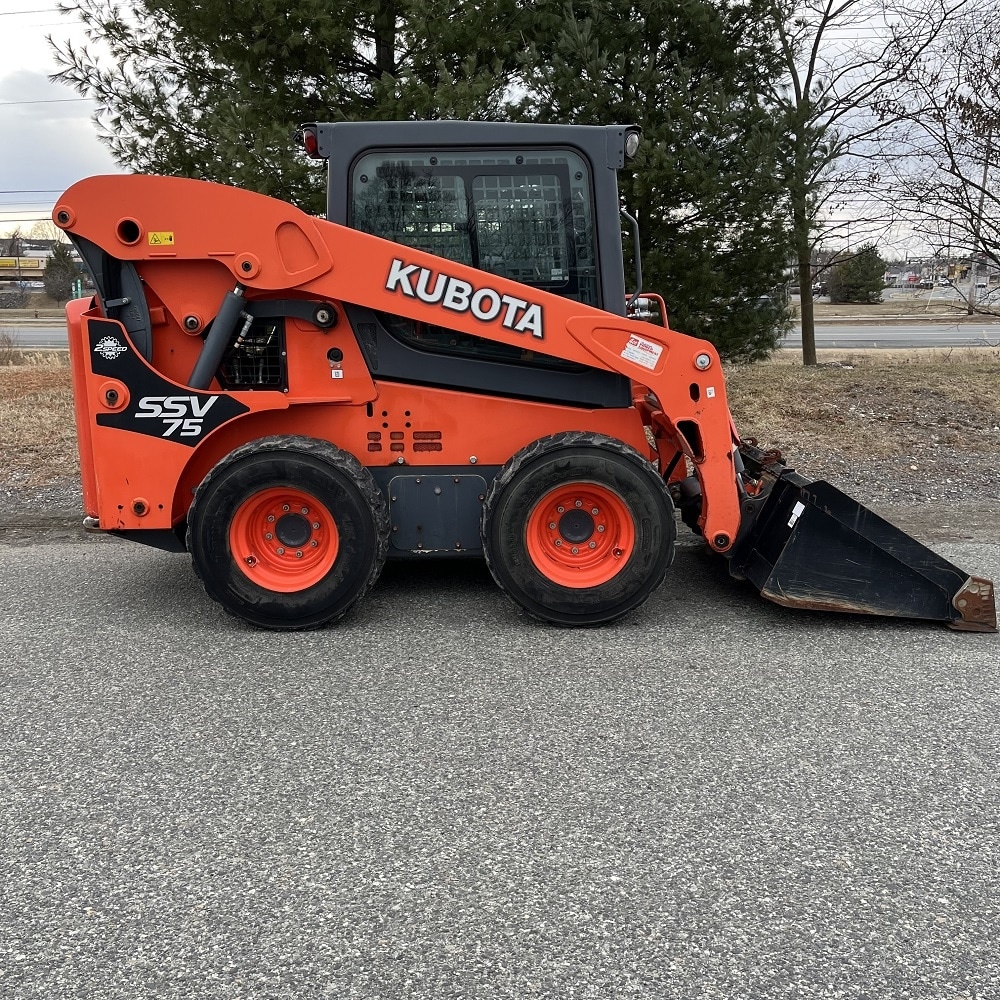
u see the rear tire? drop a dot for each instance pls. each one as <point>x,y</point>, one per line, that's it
<point>288,532</point>
<point>578,529</point>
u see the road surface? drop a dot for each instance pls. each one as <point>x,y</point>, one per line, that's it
<point>716,798</point>
<point>857,335</point>
<point>900,335</point>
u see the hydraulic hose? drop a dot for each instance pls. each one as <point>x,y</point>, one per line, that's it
<point>219,335</point>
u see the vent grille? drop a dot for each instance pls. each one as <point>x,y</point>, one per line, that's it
<point>256,358</point>
<point>427,441</point>
<point>421,441</point>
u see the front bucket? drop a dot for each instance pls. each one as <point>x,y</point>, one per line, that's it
<point>808,545</point>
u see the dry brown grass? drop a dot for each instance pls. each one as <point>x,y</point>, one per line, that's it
<point>879,406</point>
<point>910,306</point>
<point>872,403</point>
<point>37,425</point>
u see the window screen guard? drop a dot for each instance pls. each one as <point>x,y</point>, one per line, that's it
<point>520,215</point>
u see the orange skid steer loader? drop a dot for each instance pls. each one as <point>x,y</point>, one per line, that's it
<point>444,366</point>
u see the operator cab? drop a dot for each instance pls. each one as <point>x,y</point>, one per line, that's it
<point>534,203</point>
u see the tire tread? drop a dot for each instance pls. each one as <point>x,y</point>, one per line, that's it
<point>345,463</point>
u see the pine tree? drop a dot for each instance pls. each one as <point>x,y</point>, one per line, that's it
<point>60,273</point>
<point>705,185</point>
<point>859,277</point>
<point>216,90</point>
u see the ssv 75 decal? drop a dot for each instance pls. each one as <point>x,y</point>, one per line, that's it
<point>180,415</point>
<point>485,303</point>
<point>160,408</point>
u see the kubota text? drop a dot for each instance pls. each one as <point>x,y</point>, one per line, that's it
<point>485,304</point>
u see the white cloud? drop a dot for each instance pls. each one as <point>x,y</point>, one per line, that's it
<point>47,140</point>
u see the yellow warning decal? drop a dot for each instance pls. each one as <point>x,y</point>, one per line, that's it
<point>161,239</point>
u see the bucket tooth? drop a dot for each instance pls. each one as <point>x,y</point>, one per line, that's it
<point>976,606</point>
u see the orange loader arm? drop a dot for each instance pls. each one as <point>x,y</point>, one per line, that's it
<point>204,241</point>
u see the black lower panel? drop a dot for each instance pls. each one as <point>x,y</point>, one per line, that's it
<point>434,511</point>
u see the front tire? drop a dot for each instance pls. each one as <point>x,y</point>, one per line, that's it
<point>578,529</point>
<point>288,532</point>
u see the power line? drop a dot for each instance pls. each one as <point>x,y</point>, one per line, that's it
<point>55,100</point>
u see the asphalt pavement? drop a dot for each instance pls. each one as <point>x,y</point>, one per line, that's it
<point>717,798</point>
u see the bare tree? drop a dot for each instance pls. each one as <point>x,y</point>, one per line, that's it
<point>946,131</point>
<point>46,229</point>
<point>11,243</point>
<point>841,58</point>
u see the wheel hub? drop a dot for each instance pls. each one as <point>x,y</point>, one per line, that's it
<point>293,529</point>
<point>576,525</point>
<point>580,535</point>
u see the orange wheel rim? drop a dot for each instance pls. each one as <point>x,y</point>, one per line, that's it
<point>580,535</point>
<point>283,539</point>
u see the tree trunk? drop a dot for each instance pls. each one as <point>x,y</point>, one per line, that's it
<point>385,39</point>
<point>806,311</point>
<point>803,251</point>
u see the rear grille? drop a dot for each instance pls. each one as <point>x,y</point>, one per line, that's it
<point>256,359</point>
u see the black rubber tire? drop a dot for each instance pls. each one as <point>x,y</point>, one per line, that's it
<point>586,458</point>
<point>336,479</point>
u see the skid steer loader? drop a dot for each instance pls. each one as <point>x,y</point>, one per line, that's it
<point>445,366</point>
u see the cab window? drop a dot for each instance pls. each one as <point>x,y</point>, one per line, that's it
<point>520,214</point>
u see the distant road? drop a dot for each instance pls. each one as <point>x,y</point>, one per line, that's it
<point>31,336</point>
<point>875,335</point>
<point>854,335</point>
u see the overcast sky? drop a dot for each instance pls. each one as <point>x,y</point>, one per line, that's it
<point>46,136</point>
